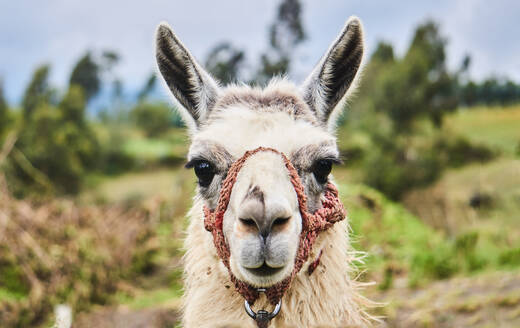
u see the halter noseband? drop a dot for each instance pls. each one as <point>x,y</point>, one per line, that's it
<point>330,212</point>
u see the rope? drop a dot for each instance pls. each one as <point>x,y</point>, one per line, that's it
<point>331,212</point>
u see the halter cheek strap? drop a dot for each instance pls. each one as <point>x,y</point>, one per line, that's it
<point>330,212</point>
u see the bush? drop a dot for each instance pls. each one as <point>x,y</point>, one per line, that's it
<point>113,159</point>
<point>55,148</point>
<point>438,263</point>
<point>395,165</point>
<point>394,171</point>
<point>154,119</point>
<point>459,151</point>
<point>5,114</point>
<point>78,256</point>
<point>510,257</point>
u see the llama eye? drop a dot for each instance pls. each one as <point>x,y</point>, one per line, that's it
<point>321,170</point>
<point>204,171</point>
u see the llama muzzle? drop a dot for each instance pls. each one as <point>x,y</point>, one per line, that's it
<point>331,211</point>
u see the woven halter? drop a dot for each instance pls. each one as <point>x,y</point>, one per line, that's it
<point>331,212</point>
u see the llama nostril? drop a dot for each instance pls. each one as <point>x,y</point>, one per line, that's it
<point>264,233</point>
<point>280,221</point>
<point>248,222</point>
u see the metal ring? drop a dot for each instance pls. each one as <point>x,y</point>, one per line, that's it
<point>271,315</point>
<point>249,311</point>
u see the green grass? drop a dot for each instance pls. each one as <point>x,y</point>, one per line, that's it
<point>171,145</point>
<point>500,180</point>
<point>445,205</point>
<point>392,237</point>
<point>166,182</point>
<point>147,148</point>
<point>398,242</point>
<point>151,298</point>
<point>494,126</point>
<point>9,295</point>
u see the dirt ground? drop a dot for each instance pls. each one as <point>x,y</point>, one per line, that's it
<point>123,317</point>
<point>487,300</point>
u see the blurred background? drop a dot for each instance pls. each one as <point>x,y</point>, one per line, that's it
<point>93,193</point>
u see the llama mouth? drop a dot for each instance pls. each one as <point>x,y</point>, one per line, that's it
<point>264,270</point>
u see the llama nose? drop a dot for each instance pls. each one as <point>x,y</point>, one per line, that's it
<point>261,215</point>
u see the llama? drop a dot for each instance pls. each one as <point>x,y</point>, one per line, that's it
<point>262,221</point>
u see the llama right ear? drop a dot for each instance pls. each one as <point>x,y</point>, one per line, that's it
<point>191,85</point>
<point>334,75</point>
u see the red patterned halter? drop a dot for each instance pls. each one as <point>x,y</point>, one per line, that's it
<point>331,212</point>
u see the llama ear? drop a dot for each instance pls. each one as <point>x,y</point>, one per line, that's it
<point>191,85</point>
<point>330,80</point>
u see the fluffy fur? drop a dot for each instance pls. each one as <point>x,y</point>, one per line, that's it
<point>226,122</point>
<point>327,298</point>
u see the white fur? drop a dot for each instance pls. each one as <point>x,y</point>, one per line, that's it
<point>277,117</point>
<point>327,298</point>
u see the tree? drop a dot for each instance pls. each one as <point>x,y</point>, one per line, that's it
<point>37,91</point>
<point>285,33</point>
<point>147,88</point>
<point>225,62</point>
<point>56,147</point>
<point>419,84</point>
<point>153,119</point>
<point>4,112</point>
<point>384,53</point>
<point>86,74</point>
<point>110,59</point>
<point>396,93</point>
<point>491,91</point>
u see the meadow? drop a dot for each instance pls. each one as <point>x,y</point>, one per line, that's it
<point>94,193</point>
<point>436,259</point>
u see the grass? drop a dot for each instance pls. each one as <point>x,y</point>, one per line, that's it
<point>172,145</point>
<point>493,126</point>
<point>401,245</point>
<point>398,243</point>
<point>9,295</point>
<point>446,206</point>
<point>166,182</point>
<point>151,298</point>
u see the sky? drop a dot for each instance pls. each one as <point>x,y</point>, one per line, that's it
<point>59,32</point>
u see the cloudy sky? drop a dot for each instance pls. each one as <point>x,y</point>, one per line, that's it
<point>58,32</point>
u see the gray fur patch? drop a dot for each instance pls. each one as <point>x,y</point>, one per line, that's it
<point>267,101</point>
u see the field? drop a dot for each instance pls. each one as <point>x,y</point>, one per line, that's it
<point>496,126</point>
<point>414,252</point>
<point>447,256</point>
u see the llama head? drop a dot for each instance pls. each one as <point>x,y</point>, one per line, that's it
<point>262,223</point>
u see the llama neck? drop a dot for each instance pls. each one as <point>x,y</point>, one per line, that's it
<point>326,296</point>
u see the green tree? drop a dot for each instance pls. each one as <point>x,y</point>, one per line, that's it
<point>491,91</point>
<point>38,90</point>
<point>4,112</point>
<point>147,88</point>
<point>285,33</point>
<point>418,85</point>
<point>153,118</point>
<point>384,53</point>
<point>82,140</point>
<point>87,74</point>
<point>396,93</point>
<point>225,62</point>
<point>110,59</point>
<point>56,147</point>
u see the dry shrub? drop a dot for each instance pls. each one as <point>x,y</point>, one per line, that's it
<point>59,252</point>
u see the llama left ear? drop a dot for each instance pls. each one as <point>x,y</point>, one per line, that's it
<point>191,85</point>
<point>334,75</point>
